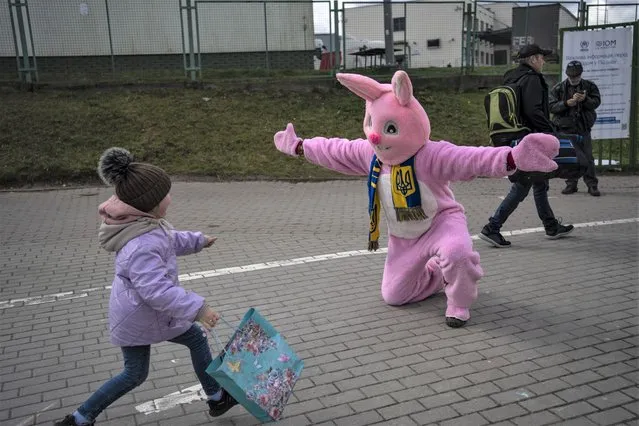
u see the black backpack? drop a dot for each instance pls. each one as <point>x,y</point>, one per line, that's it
<point>503,114</point>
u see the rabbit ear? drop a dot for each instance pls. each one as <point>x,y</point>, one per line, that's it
<point>362,86</point>
<point>402,87</point>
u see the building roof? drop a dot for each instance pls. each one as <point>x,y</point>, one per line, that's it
<point>561,6</point>
<point>502,36</point>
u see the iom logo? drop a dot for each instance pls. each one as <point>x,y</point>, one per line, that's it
<point>606,44</point>
<point>584,45</point>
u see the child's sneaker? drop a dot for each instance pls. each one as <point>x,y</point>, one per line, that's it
<point>217,408</point>
<point>69,420</point>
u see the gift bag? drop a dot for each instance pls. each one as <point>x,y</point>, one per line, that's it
<point>257,367</point>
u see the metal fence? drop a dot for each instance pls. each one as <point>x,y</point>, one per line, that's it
<point>614,13</point>
<point>59,40</point>
<point>88,40</point>
<point>506,25</point>
<point>418,42</point>
<point>463,35</point>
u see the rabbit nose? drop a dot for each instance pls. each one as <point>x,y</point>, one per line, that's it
<point>374,138</point>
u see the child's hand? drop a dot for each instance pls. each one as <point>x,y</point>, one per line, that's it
<point>208,317</point>
<point>209,241</point>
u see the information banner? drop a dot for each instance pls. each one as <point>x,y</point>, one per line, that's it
<point>606,56</point>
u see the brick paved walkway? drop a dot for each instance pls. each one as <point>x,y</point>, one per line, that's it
<point>553,337</point>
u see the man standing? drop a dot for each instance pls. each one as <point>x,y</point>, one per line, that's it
<point>573,103</point>
<point>533,102</point>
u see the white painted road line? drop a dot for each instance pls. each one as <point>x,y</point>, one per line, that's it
<point>185,396</point>
<point>31,420</point>
<point>277,264</point>
<point>50,298</point>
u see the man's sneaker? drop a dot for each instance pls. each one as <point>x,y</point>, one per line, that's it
<point>559,231</point>
<point>571,188</point>
<point>69,420</point>
<point>592,190</point>
<point>217,408</point>
<point>493,238</point>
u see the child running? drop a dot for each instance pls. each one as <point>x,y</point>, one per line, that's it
<point>147,304</point>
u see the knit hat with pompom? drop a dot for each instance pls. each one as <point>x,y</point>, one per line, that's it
<point>139,185</point>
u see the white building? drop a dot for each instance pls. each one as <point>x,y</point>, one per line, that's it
<point>498,31</point>
<point>430,34</point>
<point>433,34</point>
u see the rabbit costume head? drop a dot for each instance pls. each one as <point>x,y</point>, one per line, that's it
<point>395,123</point>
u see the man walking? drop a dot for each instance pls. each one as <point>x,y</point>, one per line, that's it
<point>573,103</point>
<point>533,101</point>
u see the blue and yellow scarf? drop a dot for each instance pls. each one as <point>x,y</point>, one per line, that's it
<point>406,198</point>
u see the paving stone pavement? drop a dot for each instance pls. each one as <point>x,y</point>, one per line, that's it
<point>552,340</point>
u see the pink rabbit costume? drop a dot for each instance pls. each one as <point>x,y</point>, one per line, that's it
<point>429,246</point>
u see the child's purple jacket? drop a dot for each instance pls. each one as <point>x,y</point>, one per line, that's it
<point>147,304</point>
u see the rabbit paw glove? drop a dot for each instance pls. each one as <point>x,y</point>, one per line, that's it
<point>535,153</point>
<point>287,141</point>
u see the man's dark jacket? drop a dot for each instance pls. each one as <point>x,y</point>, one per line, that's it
<point>533,98</point>
<point>582,116</point>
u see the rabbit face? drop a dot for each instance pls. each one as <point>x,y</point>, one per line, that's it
<point>395,123</point>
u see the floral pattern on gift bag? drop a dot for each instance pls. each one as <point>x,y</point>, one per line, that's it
<point>258,368</point>
<point>272,390</point>
<point>252,338</point>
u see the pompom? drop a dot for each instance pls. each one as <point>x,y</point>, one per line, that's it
<point>114,164</point>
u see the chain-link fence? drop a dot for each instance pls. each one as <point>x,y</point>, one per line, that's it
<point>506,26</point>
<point>614,13</point>
<point>164,39</point>
<point>418,42</point>
<point>146,40</point>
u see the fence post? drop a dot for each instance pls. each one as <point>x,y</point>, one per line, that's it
<point>475,24</point>
<point>388,33</point>
<point>106,6</point>
<point>336,45</point>
<point>26,72</point>
<point>190,65</point>
<point>586,14</point>
<point>469,25</point>
<point>526,24</point>
<point>189,20</point>
<point>406,61</point>
<point>268,62</point>
<point>634,80</point>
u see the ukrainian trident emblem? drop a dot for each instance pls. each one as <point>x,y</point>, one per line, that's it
<point>374,220</point>
<point>404,181</point>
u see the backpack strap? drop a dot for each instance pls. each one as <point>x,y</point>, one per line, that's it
<point>518,93</point>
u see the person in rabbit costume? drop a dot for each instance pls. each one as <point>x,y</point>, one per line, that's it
<point>429,246</point>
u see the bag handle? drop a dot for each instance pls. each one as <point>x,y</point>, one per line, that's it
<point>212,333</point>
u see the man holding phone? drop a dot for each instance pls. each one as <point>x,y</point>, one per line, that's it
<point>573,103</point>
